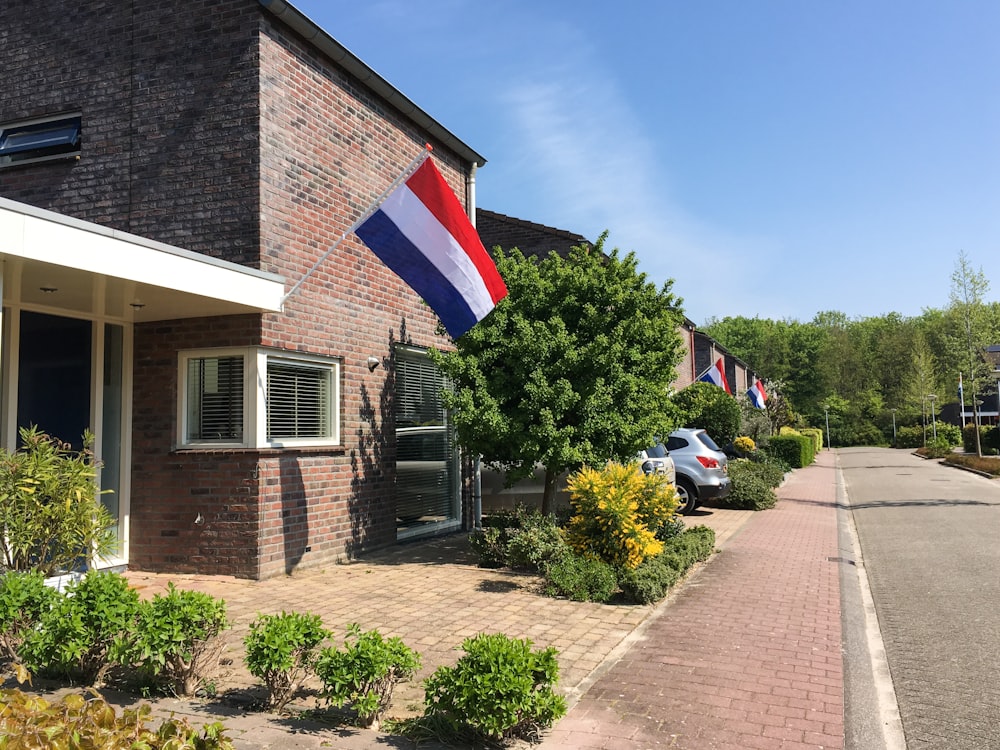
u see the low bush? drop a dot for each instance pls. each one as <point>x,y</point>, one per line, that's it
<point>281,650</point>
<point>24,599</point>
<point>616,512</point>
<point>177,641</point>
<point>500,689</point>
<point>522,538</point>
<point>651,581</point>
<point>987,464</point>
<point>910,436</point>
<point>745,444</point>
<point>938,447</point>
<point>76,638</point>
<point>989,439</point>
<point>364,674</point>
<point>752,485</point>
<point>580,578</point>
<point>88,721</point>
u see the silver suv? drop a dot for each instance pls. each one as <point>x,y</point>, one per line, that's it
<point>702,473</point>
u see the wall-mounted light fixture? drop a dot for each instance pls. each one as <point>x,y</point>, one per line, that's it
<point>137,304</point>
<point>373,362</point>
<point>48,288</point>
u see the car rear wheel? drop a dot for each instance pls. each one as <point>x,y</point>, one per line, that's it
<point>688,496</point>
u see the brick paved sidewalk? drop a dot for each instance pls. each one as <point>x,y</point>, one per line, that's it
<point>748,654</point>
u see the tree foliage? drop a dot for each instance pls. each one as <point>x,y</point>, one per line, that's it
<point>706,406</point>
<point>876,371</point>
<point>570,369</point>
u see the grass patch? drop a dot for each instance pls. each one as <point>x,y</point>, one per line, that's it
<point>986,464</point>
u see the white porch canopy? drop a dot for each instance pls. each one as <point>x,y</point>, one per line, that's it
<point>53,260</point>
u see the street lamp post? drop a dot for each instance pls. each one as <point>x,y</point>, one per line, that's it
<point>932,397</point>
<point>829,445</point>
<point>893,427</point>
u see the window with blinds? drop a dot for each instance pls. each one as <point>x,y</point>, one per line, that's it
<point>292,399</point>
<point>427,469</point>
<point>298,400</point>
<point>214,399</point>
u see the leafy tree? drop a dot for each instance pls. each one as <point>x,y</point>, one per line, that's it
<point>972,331</point>
<point>709,407</point>
<point>570,369</point>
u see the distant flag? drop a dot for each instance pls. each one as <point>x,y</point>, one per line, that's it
<point>422,233</point>
<point>757,395</point>
<point>716,374</point>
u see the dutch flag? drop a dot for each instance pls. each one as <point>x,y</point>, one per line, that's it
<point>716,374</point>
<point>757,395</point>
<point>421,232</point>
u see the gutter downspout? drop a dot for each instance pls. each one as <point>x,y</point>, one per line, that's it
<point>477,463</point>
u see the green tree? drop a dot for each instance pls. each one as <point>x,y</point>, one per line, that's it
<point>572,368</point>
<point>709,407</point>
<point>972,329</point>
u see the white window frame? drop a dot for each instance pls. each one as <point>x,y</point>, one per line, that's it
<point>255,361</point>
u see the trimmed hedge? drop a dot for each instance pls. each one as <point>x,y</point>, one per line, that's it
<point>795,450</point>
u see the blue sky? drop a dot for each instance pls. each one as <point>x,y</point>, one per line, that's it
<point>774,158</point>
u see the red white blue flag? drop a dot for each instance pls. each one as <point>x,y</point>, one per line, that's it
<point>422,233</point>
<point>716,374</point>
<point>757,395</point>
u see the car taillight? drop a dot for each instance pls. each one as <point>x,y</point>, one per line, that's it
<point>708,462</point>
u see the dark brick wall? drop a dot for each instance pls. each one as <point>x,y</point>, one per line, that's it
<point>168,95</point>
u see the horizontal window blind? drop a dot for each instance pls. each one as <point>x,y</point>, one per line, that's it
<point>215,399</point>
<point>298,401</point>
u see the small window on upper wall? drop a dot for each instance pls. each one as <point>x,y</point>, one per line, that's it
<point>40,140</point>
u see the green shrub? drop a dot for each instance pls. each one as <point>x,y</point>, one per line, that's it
<point>281,650</point>
<point>79,721</point>
<point>910,436</point>
<point>582,579</point>
<point>75,639</point>
<point>51,518</point>
<point>616,512</point>
<point>24,599</point>
<point>951,433</point>
<point>651,581</point>
<point>795,450</point>
<point>522,538</point>
<point>694,545</point>
<point>752,487</point>
<point>365,673</point>
<point>500,689</point>
<point>815,435</point>
<point>989,439</point>
<point>177,640</point>
<point>938,447</point>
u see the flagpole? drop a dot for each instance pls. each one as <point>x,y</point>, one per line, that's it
<point>403,176</point>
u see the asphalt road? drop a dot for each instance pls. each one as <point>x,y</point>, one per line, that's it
<point>930,543</point>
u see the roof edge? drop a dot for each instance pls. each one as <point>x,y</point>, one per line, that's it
<point>337,52</point>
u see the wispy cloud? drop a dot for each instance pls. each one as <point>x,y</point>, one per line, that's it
<point>598,169</point>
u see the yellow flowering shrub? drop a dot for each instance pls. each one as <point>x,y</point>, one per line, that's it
<point>616,511</point>
<point>745,444</point>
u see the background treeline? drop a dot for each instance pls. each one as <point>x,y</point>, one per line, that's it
<point>859,370</point>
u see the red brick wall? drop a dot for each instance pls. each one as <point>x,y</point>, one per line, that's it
<point>211,126</point>
<point>328,148</point>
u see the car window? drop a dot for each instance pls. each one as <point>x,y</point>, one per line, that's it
<point>709,443</point>
<point>656,451</point>
<point>676,443</point>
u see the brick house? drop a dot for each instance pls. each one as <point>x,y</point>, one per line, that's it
<point>168,171</point>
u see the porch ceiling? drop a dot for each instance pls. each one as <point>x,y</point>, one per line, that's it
<point>56,261</point>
